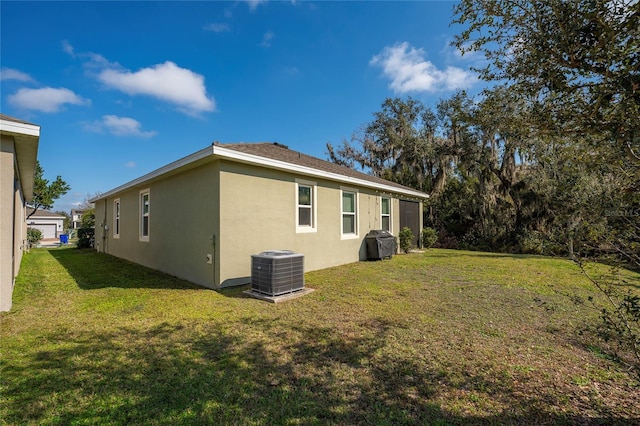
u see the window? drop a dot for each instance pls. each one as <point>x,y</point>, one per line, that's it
<point>306,206</point>
<point>385,213</point>
<point>144,215</point>
<point>349,214</point>
<point>116,218</point>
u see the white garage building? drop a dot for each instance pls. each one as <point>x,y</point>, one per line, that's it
<point>51,224</point>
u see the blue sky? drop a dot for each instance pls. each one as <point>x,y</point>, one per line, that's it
<point>123,88</point>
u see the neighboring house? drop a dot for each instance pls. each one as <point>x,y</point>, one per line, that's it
<point>18,153</point>
<point>76,218</point>
<point>51,224</point>
<point>202,217</point>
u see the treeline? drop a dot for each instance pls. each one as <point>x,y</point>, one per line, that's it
<point>496,182</point>
<point>546,160</point>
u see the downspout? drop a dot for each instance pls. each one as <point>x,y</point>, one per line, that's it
<point>213,260</point>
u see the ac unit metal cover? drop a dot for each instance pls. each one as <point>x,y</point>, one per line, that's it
<point>277,272</point>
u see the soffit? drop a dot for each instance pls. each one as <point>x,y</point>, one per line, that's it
<point>26,137</point>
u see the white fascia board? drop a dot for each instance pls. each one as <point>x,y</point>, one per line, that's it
<point>19,128</point>
<point>183,162</point>
<point>242,157</point>
<point>56,217</point>
<point>230,154</point>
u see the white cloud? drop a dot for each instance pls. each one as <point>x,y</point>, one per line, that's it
<point>409,71</point>
<point>266,39</point>
<point>11,74</point>
<point>218,27</point>
<point>293,71</point>
<point>253,4</point>
<point>97,61</point>
<point>119,126</point>
<point>130,164</point>
<point>166,81</point>
<point>94,60</point>
<point>68,48</point>
<point>46,99</point>
<point>474,58</point>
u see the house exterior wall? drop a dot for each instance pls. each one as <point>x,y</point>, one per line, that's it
<point>18,155</point>
<point>258,213</point>
<point>182,222</point>
<point>12,225</point>
<point>206,222</point>
<point>19,228</point>
<point>7,223</point>
<point>76,219</point>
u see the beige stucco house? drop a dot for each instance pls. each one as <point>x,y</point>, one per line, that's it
<point>18,153</point>
<point>203,216</point>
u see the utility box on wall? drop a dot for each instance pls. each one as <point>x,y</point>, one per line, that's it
<point>277,272</point>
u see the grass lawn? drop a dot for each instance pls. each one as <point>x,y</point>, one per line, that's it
<point>445,337</point>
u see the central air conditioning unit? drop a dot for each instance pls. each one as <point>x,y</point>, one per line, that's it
<point>277,272</point>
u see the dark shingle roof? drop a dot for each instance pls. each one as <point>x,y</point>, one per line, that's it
<point>43,213</point>
<point>279,157</point>
<point>276,151</point>
<point>15,120</point>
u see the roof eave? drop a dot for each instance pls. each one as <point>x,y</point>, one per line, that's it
<point>176,165</point>
<point>232,155</point>
<point>27,138</point>
<point>52,217</point>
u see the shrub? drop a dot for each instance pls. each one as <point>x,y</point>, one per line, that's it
<point>474,239</point>
<point>429,237</point>
<point>85,237</point>
<point>531,243</point>
<point>87,232</point>
<point>406,239</point>
<point>619,327</point>
<point>33,235</point>
<point>447,240</point>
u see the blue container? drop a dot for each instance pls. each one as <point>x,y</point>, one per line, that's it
<point>64,239</point>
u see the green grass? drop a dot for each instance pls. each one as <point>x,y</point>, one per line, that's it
<point>445,337</point>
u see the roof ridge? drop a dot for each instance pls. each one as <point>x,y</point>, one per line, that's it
<point>289,156</point>
<point>46,212</point>
<point>267,154</point>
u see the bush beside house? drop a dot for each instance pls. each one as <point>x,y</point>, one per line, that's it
<point>406,237</point>
<point>34,235</point>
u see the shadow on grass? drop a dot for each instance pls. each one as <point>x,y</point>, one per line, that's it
<point>450,253</point>
<point>93,270</point>
<point>174,374</point>
<point>236,292</point>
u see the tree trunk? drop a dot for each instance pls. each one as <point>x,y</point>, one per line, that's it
<point>572,255</point>
<point>572,225</point>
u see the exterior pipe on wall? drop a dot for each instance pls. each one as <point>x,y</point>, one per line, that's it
<point>213,261</point>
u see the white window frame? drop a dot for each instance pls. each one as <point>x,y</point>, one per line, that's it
<point>356,205</point>
<point>143,215</point>
<point>116,218</point>
<point>383,214</point>
<point>314,206</point>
